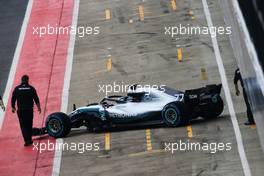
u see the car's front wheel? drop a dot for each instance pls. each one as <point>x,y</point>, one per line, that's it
<point>58,125</point>
<point>172,115</point>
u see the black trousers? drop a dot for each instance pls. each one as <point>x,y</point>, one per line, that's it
<point>249,112</point>
<point>26,121</point>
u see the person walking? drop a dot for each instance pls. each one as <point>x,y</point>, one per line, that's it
<point>237,78</point>
<point>24,95</point>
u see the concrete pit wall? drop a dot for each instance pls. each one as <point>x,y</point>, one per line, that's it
<point>247,60</point>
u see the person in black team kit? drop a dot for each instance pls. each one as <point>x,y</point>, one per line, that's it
<point>237,78</point>
<point>2,104</point>
<point>25,95</point>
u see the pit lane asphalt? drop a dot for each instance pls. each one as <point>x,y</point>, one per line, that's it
<point>11,18</point>
<point>141,53</point>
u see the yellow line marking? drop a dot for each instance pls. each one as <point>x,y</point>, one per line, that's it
<point>107,14</point>
<point>148,139</point>
<point>109,64</point>
<point>253,127</point>
<point>204,74</point>
<point>173,5</point>
<point>146,153</point>
<point>107,141</point>
<point>179,53</point>
<point>141,12</point>
<point>189,131</point>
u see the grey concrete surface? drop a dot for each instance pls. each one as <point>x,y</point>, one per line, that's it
<point>11,18</point>
<point>141,53</point>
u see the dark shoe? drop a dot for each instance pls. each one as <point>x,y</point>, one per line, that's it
<point>249,123</point>
<point>28,143</point>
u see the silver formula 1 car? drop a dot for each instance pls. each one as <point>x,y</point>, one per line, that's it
<point>140,106</point>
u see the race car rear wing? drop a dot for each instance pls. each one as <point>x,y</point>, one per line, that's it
<point>202,94</point>
<point>209,89</point>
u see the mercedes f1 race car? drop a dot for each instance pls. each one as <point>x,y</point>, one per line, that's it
<point>168,106</point>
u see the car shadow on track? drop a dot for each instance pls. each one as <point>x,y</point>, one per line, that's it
<point>208,121</point>
<point>195,122</point>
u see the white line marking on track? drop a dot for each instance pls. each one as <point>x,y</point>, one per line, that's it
<point>13,68</point>
<point>66,87</point>
<point>222,72</point>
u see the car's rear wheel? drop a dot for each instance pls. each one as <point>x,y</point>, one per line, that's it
<point>58,125</point>
<point>172,115</point>
<point>214,109</point>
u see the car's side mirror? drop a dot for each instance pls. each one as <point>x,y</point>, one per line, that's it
<point>74,107</point>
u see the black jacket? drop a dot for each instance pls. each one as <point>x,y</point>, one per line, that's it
<point>238,77</point>
<point>24,94</point>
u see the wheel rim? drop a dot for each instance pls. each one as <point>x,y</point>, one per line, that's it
<point>171,115</point>
<point>54,126</point>
<point>214,99</point>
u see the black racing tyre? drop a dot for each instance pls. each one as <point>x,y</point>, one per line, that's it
<point>214,109</point>
<point>172,115</point>
<point>58,125</point>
